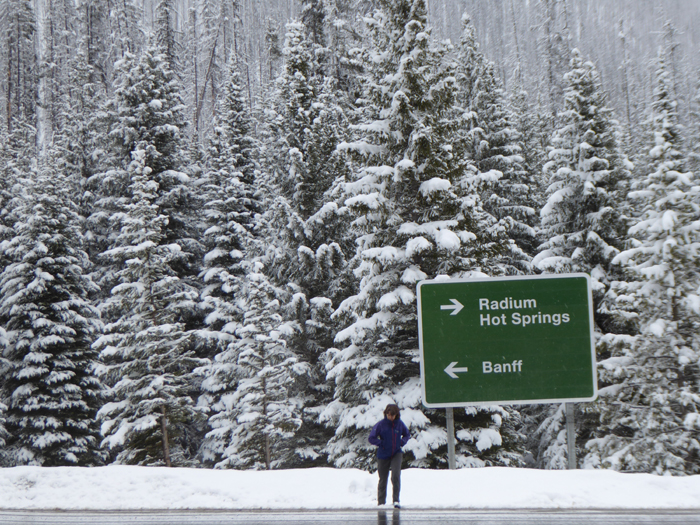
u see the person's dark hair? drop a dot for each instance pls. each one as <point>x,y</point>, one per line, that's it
<point>393,410</point>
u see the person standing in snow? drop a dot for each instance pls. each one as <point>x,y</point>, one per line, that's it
<point>390,434</point>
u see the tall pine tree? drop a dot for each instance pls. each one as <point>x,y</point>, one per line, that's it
<point>583,223</point>
<point>416,216</point>
<point>147,350</point>
<point>304,239</point>
<point>147,109</point>
<point>494,145</point>
<point>50,388</point>
<point>231,204</point>
<point>260,414</point>
<point>650,421</point>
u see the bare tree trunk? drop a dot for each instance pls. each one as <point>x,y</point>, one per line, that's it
<point>515,38</point>
<point>18,72</point>
<point>250,93</point>
<point>164,430</point>
<point>196,73</point>
<point>267,436</point>
<point>9,86</point>
<point>45,49</point>
<point>550,66</point>
<point>625,81</point>
<point>199,101</point>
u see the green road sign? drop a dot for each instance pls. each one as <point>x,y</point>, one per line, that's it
<point>506,340</point>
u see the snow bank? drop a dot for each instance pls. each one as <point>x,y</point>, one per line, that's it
<point>141,488</point>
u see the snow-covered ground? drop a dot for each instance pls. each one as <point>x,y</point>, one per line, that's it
<point>142,488</point>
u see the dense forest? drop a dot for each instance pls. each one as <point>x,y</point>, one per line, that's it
<point>214,215</point>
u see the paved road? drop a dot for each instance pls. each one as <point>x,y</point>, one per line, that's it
<point>354,517</point>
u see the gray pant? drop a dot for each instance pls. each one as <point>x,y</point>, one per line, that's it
<point>384,465</point>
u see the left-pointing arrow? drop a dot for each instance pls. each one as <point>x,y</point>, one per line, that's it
<point>452,370</point>
<point>456,306</point>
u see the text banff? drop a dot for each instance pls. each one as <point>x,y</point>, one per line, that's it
<point>487,367</point>
<point>517,318</point>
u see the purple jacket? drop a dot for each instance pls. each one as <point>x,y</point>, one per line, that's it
<point>389,436</point>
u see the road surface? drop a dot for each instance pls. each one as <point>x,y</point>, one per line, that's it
<point>355,517</point>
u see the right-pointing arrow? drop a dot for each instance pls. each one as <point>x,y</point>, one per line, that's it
<point>452,370</point>
<point>456,306</point>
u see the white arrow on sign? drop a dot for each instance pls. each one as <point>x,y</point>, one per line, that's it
<point>456,306</point>
<point>452,370</point>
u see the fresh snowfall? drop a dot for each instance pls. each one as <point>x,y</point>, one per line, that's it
<point>158,488</point>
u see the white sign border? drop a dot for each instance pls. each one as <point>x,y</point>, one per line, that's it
<point>594,365</point>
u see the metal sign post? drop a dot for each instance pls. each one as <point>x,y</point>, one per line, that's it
<point>450,438</point>
<point>570,436</point>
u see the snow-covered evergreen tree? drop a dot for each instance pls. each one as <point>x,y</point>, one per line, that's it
<point>338,17</point>
<point>227,189</point>
<point>232,142</point>
<point>260,413</point>
<point>303,240</point>
<point>231,203</point>
<point>494,146</point>
<point>313,15</point>
<point>7,182</point>
<point>551,437</point>
<point>3,408</point>
<point>17,150</point>
<point>49,385</point>
<point>78,140</point>
<point>147,109</point>
<point>308,266</point>
<point>415,217</point>
<point>583,223</point>
<point>303,123</point>
<point>308,122</point>
<point>291,117</point>
<point>650,420</point>
<point>148,351</point>
<point>79,137</point>
<point>535,126</point>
